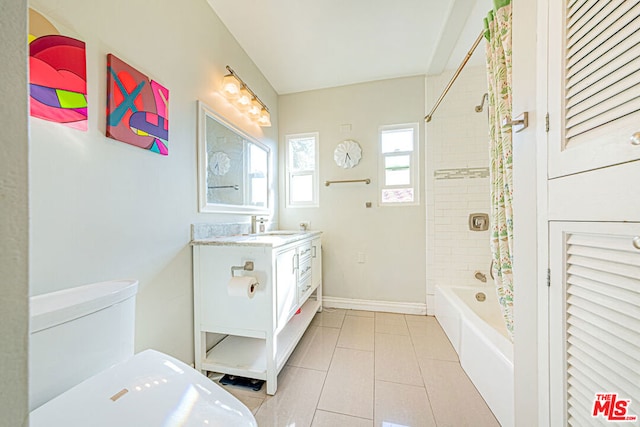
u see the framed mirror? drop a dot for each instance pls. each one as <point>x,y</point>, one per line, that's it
<point>233,167</point>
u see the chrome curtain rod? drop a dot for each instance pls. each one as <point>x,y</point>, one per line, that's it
<point>428,117</point>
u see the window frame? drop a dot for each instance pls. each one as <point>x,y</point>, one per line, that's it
<point>414,165</point>
<point>314,203</point>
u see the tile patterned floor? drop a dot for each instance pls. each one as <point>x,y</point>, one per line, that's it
<point>362,369</point>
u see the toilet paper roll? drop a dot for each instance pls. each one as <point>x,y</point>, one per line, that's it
<point>242,286</point>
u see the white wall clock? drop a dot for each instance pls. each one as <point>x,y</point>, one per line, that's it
<point>347,154</point>
<point>219,163</point>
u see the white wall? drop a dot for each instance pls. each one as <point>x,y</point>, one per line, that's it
<point>457,180</point>
<point>14,226</point>
<point>391,238</point>
<point>102,209</point>
<point>530,214</point>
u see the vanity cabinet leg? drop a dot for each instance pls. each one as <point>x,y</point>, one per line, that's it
<point>272,371</point>
<point>200,350</point>
<point>272,383</point>
<point>319,296</point>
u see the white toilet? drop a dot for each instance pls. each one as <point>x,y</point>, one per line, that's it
<point>82,371</point>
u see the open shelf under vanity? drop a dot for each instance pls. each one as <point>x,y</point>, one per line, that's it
<point>247,356</point>
<point>263,329</point>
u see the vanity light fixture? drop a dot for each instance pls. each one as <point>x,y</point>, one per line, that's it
<point>245,100</point>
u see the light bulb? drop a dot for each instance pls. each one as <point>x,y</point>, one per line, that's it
<point>230,86</point>
<point>244,99</point>
<point>265,118</point>
<point>254,109</point>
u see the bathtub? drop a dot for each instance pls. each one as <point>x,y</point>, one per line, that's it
<point>478,334</point>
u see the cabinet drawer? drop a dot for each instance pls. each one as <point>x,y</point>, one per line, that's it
<point>304,251</point>
<point>304,289</point>
<point>304,269</point>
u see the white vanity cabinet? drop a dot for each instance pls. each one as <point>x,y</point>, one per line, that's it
<point>316,262</point>
<point>261,331</point>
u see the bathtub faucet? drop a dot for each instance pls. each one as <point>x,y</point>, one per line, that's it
<point>480,276</point>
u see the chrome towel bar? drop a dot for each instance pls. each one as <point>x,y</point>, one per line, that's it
<point>521,122</point>
<point>218,187</point>
<point>366,181</point>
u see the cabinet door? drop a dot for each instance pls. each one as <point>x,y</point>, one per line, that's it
<point>286,286</point>
<point>594,84</point>
<point>594,319</point>
<point>316,263</point>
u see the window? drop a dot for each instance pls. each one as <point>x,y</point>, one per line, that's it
<point>258,193</point>
<point>302,170</point>
<point>398,165</point>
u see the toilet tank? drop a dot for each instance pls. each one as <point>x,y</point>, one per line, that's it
<point>76,333</point>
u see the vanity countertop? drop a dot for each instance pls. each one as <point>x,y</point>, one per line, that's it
<point>270,238</point>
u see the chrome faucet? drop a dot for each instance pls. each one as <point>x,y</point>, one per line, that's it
<point>253,224</point>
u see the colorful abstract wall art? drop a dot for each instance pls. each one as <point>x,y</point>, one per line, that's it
<point>137,108</point>
<point>57,74</point>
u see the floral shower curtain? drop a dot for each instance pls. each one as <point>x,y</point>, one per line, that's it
<point>498,51</point>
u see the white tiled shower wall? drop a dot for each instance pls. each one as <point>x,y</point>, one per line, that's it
<point>457,182</point>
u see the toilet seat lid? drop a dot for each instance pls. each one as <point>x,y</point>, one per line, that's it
<point>149,389</point>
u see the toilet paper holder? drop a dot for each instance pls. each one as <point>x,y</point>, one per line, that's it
<point>248,266</point>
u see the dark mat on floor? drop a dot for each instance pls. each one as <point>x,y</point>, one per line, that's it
<point>251,383</point>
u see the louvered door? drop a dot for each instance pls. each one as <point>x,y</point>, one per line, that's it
<point>594,84</point>
<point>594,318</point>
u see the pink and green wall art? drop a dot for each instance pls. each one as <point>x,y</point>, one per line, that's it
<point>137,108</point>
<point>57,74</point>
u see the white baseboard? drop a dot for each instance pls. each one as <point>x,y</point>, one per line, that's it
<point>431,305</point>
<point>369,305</point>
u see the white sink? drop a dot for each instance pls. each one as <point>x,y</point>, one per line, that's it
<point>275,237</point>
<point>278,233</point>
